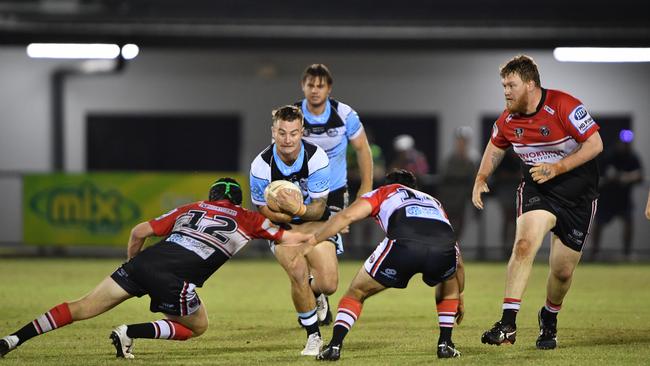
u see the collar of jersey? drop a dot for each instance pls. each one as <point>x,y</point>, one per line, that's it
<point>288,169</point>
<point>314,119</point>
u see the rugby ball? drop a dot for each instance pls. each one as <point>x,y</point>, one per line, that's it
<point>272,190</point>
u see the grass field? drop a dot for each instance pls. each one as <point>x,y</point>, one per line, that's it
<point>605,320</point>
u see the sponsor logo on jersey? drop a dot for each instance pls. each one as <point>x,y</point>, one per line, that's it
<point>508,118</point>
<point>550,110</point>
<point>519,132</point>
<point>422,212</point>
<point>580,119</point>
<point>544,131</point>
<point>332,132</point>
<point>372,258</point>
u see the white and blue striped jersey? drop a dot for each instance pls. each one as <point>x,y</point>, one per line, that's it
<point>331,131</point>
<point>310,172</point>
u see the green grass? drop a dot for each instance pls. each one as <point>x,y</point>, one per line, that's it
<point>605,320</point>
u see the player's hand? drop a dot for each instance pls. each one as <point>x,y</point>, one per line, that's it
<point>543,172</point>
<point>460,312</point>
<point>289,201</point>
<point>480,187</point>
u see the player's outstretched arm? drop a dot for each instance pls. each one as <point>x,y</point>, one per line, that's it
<point>277,217</point>
<point>358,210</point>
<point>139,234</point>
<point>492,157</point>
<point>586,151</point>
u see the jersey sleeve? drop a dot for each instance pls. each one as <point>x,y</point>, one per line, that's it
<point>498,137</point>
<point>259,227</point>
<point>576,120</point>
<point>258,181</point>
<point>163,224</point>
<point>318,182</point>
<point>353,126</point>
<point>376,197</point>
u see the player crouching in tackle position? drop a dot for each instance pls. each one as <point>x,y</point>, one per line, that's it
<point>419,239</point>
<point>557,141</point>
<point>199,238</point>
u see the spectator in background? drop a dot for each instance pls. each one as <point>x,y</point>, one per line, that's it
<point>408,157</point>
<point>620,171</point>
<point>458,179</point>
<point>507,177</point>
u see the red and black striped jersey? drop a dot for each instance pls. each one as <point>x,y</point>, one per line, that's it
<point>556,129</point>
<point>206,226</point>
<point>404,212</point>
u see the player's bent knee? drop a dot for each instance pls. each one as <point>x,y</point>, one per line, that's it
<point>199,329</point>
<point>523,249</point>
<point>562,274</point>
<point>329,287</point>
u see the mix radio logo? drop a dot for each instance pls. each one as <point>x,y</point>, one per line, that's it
<point>86,206</point>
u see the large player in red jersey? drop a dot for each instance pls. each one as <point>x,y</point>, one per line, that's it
<point>198,239</point>
<point>557,142</point>
<point>419,239</point>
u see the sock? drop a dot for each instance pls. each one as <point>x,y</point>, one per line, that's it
<point>551,310</point>
<point>309,321</point>
<point>311,280</point>
<point>56,317</point>
<point>446,313</point>
<point>348,312</point>
<point>510,309</point>
<point>160,329</point>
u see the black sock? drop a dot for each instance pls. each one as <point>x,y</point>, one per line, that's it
<point>547,315</point>
<point>509,317</point>
<point>25,333</point>
<point>142,330</point>
<point>445,335</point>
<point>338,335</point>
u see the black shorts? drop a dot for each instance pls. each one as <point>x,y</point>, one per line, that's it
<point>149,273</point>
<point>338,200</point>
<point>394,262</point>
<point>572,225</point>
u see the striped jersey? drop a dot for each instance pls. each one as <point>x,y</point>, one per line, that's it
<point>331,130</point>
<point>556,129</point>
<point>310,172</point>
<point>209,227</point>
<point>404,212</point>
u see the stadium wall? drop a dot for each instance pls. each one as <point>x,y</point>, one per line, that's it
<point>458,86</point>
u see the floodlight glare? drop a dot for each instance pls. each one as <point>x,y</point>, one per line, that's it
<point>130,51</point>
<point>601,54</point>
<point>73,50</point>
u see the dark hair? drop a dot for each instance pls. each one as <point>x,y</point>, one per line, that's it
<point>403,177</point>
<point>524,66</point>
<point>287,113</point>
<point>317,71</point>
<point>226,188</point>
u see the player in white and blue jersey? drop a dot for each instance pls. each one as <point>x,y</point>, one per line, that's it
<point>331,124</point>
<point>306,165</point>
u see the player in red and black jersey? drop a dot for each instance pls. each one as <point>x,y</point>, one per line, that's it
<point>419,239</point>
<point>557,142</point>
<point>198,239</point>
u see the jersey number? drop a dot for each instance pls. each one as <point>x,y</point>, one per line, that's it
<point>214,226</point>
